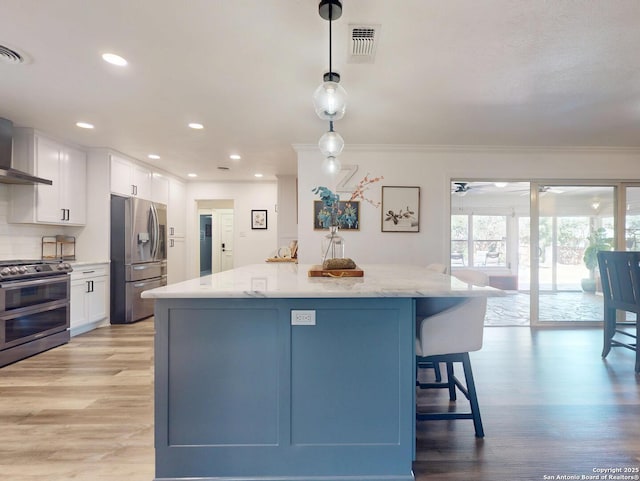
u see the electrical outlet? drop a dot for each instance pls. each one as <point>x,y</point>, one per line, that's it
<point>303,318</point>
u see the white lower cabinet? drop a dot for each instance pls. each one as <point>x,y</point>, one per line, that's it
<point>89,297</point>
<point>176,254</point>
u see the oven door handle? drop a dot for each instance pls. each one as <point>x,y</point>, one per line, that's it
<point>34,282</point>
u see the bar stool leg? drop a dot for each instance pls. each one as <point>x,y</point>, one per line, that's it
<point>473,397</point>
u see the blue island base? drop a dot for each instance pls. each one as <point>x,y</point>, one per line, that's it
<point>241,394</point>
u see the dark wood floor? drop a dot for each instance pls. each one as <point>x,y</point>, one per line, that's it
<point>550,407</point>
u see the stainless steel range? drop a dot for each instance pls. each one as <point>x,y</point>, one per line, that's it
<point>34,307</point>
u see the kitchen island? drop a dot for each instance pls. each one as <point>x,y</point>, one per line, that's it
<point>263,373</point>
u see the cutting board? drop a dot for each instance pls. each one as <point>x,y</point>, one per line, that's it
<point>318,271</point>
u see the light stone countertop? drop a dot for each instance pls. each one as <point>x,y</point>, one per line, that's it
<point>85,263</point>
<point>285,280</point>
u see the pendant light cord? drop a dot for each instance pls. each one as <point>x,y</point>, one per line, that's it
<point>330,19</point>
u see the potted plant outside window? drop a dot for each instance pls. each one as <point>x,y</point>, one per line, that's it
<point>597,242</point>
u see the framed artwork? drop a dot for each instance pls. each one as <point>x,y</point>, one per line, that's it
<point>400,209</point>
<point>258,219</point>
<point>348,215</point>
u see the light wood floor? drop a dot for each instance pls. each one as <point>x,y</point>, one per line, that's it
<point>550,406</point>
<point>82,411</point>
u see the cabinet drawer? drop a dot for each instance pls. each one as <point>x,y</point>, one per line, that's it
<point>89,270</point>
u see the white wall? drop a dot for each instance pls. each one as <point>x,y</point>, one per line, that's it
<point>432,169</point>
<point>287,210</point>
<point>250,246</point>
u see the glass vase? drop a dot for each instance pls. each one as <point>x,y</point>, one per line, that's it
<point>332,245</point>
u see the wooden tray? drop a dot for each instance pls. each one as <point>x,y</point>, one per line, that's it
<point>318,271</point>
<point>281,259</point>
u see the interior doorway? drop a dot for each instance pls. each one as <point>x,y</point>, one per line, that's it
<point>216,234</point>
<point>205,242</point>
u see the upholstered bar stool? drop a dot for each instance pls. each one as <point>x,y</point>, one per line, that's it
<point>448,337</point>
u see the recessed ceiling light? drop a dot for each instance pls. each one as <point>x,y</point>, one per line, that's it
<point>84,125</point>
<point>257,175</point>
<point>114,59</point>
<point>195,125</point>
<point>235,157</point>
<point>500,184</point>
<point>192,175</point>
<point>153,156</point>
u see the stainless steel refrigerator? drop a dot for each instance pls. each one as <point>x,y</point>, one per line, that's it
<point>138,256</point>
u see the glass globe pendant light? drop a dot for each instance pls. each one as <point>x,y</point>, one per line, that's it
<point>331,165</point>
<point>331,143</point>
<point>330,98</point>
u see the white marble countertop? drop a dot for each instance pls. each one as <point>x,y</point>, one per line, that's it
<point>285,280</point>
<point>84,263</point>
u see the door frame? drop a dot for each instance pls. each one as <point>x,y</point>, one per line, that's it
<point>209,205</point>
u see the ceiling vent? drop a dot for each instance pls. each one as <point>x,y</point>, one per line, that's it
<point>8,55</point>
<point>363,43</point>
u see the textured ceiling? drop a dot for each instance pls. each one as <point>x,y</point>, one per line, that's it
<point>455,72</point>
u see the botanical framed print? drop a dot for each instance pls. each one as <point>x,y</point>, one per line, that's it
<point>258,219</point>
<point>347,215</point>
<point>400,209</point>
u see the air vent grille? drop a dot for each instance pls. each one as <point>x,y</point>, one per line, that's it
<point>363,43</point>
<point>8,55</point>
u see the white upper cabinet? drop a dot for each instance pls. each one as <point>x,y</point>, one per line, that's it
<point>65,201</point>
<point>177,211</point>
<point>130,179</point>
<point>159,189</point>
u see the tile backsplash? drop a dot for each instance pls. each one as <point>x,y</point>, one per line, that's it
<point>22,241</point>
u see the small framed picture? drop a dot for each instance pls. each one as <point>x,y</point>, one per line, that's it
<point>258,219</point>
<point>400,209</point>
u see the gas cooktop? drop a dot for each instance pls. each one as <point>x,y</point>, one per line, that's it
<point>30,268</point>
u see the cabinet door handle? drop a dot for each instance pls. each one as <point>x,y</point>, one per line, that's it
<point>171,245</point>
<point>63,214</point>
<point>133,189</point>
<point>88,286</point>
<point>171,231</point>
<point>88,272</point>
<point>68,214</point>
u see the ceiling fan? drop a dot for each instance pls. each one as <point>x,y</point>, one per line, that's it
<point>543,189</point>
<point>460,188</point>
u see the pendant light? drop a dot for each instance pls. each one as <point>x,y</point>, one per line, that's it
<point>330,98</point>
<point>331,143</point>
<point>331,165</point>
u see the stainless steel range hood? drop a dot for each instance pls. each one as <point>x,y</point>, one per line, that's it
<point>9,175</point>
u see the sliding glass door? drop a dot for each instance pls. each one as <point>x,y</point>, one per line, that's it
<point>538,242</point>
<point>574,222</point>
